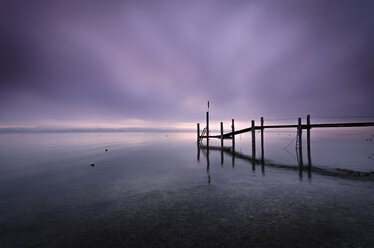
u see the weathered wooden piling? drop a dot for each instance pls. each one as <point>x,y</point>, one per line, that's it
<point>198,133</point>
<point>253,140</point>
<point>253,134</point>
<point>300,148</point>
<point>233,136</point>
<point>262,147</point>
<point>221,143</point>
<point>207,128</point>
<point>262,138</point>
<point>221,134</point>
<point>233,143</point>
<point>308,140</point>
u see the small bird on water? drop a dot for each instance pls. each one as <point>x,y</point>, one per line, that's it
<point>92,164</point>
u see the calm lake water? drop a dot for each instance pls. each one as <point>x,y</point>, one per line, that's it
<point>160,190</point>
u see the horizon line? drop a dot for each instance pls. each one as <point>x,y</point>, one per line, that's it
<point>89,130</point>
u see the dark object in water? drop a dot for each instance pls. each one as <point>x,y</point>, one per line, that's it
<point>106,149</point>
<point>92,164</point>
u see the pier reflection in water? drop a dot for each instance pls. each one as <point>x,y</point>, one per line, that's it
<point>253,161</point>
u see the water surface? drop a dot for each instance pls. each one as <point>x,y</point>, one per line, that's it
<point>150,189</point>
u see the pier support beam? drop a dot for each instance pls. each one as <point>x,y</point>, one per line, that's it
<point>253,131</point>
<point>262,145</point>
<point>308,140</point>
<point>300,148</point>
<point>207,128</point>
<point>262,138</point>
<point>233,143</point>
<point>253,139</point>
<point>221,134</point>
<point>221,143</point>
<point>233,136</point>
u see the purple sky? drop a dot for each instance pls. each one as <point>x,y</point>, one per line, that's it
<point>136,63</point>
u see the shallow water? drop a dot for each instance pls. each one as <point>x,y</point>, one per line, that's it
<point>150,189</point>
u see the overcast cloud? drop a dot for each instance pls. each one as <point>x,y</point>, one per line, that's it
<point>160,61</point>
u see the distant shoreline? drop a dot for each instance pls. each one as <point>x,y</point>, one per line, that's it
<point>140,130</point>
<point>93,130</point>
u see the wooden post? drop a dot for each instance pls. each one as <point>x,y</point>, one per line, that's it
<point>233,136</point>
<point>198,133</point>
<point>262,139</point>
<point>253,139</point>
<point>207,128</point>
<point>262,147</point>
<point>233,143</point>
<point>221,143</point>
<point>308,140</point>
<point>253,131</point>
<point>198,141</point>
<point>300,151</point>
<point>221,134</point>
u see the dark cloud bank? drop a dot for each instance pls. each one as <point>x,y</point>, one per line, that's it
<point>162,60</point>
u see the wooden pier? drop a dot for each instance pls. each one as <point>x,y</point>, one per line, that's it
<point>299,126</point>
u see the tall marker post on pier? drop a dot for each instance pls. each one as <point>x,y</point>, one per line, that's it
<point>207,128</point>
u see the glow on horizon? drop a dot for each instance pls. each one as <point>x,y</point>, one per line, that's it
<point>132,123</point>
